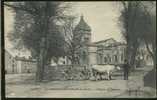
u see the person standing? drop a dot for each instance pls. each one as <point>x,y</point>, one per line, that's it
<point>126,70</point>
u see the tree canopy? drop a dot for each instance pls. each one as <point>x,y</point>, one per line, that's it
<point>138,26</point>
<point>36,29</point>
<point>30,27</point>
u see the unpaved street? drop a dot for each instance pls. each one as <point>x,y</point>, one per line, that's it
<point>23,85</point>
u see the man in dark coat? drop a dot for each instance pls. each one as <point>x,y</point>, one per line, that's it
<point>126,70</point>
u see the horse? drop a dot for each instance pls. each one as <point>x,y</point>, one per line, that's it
<point>104,69</point>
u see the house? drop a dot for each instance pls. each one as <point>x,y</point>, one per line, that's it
<point>10,63</point>
<point>18,65</point>
<point>25,65</point>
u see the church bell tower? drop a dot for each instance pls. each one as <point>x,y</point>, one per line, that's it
<point>82,36</point>
<point>83,32</point>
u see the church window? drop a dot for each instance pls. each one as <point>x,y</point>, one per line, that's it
<point>109,59</point>
<point>100,58</point>
<point>84,54</point>
<point>116,58</point>
<point>121,57</point>
<point>105,59</point>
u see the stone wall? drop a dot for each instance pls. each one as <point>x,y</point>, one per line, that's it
<point>67,72</point>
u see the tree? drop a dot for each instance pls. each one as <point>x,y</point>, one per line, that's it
<point>137,27</point>
<point>148,35</point>
<point>35,28</point>
<point>71,45</point>
<point>129,17</point>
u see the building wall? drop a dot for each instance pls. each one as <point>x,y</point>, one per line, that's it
<point>83,55</point>
<point>10,63</point>
<point>19,66</point>
<point>109,55</point>
<point>92,55</point>
<point>27,66</point>
<point>16,66</point>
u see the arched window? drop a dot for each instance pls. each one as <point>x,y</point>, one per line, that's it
<point>109,59</point>
<point>84,54</point>
<point>84,57</point>
<point>105,59</point>
<point>116,58</point>
<point>122,57</point>
<point>100,58</point>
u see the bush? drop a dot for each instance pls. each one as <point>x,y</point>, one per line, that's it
<point>67,72</point>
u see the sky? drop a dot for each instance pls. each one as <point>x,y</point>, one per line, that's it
<point>102,17</point>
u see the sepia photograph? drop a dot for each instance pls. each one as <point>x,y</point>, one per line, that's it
<point>83,49</point>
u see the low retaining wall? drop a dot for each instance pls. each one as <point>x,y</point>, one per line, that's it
<point>67,72</point>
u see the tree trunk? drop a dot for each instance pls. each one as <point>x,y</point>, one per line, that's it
<point>133,56</point>
<point>43,44</point>
<point>41,61</point>
<point>154,58</point>
<point>39,72</point>
<point>132,62</point>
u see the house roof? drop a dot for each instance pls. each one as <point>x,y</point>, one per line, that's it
<point>24,59</point>
<point>6,51</point>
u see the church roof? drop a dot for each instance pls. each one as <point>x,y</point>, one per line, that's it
<point>109,42</point>
<point>103,41</point>
<point>82,25</point>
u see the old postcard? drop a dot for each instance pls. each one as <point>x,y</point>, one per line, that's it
<point>80,49</point>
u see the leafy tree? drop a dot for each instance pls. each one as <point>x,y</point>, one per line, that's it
<point>129,17</point>
<point>36,29</point>
<point>137,27</point>
<point>148,28</point>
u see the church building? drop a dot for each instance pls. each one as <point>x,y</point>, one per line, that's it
<point>102,52</point>
<point>107,51</point>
